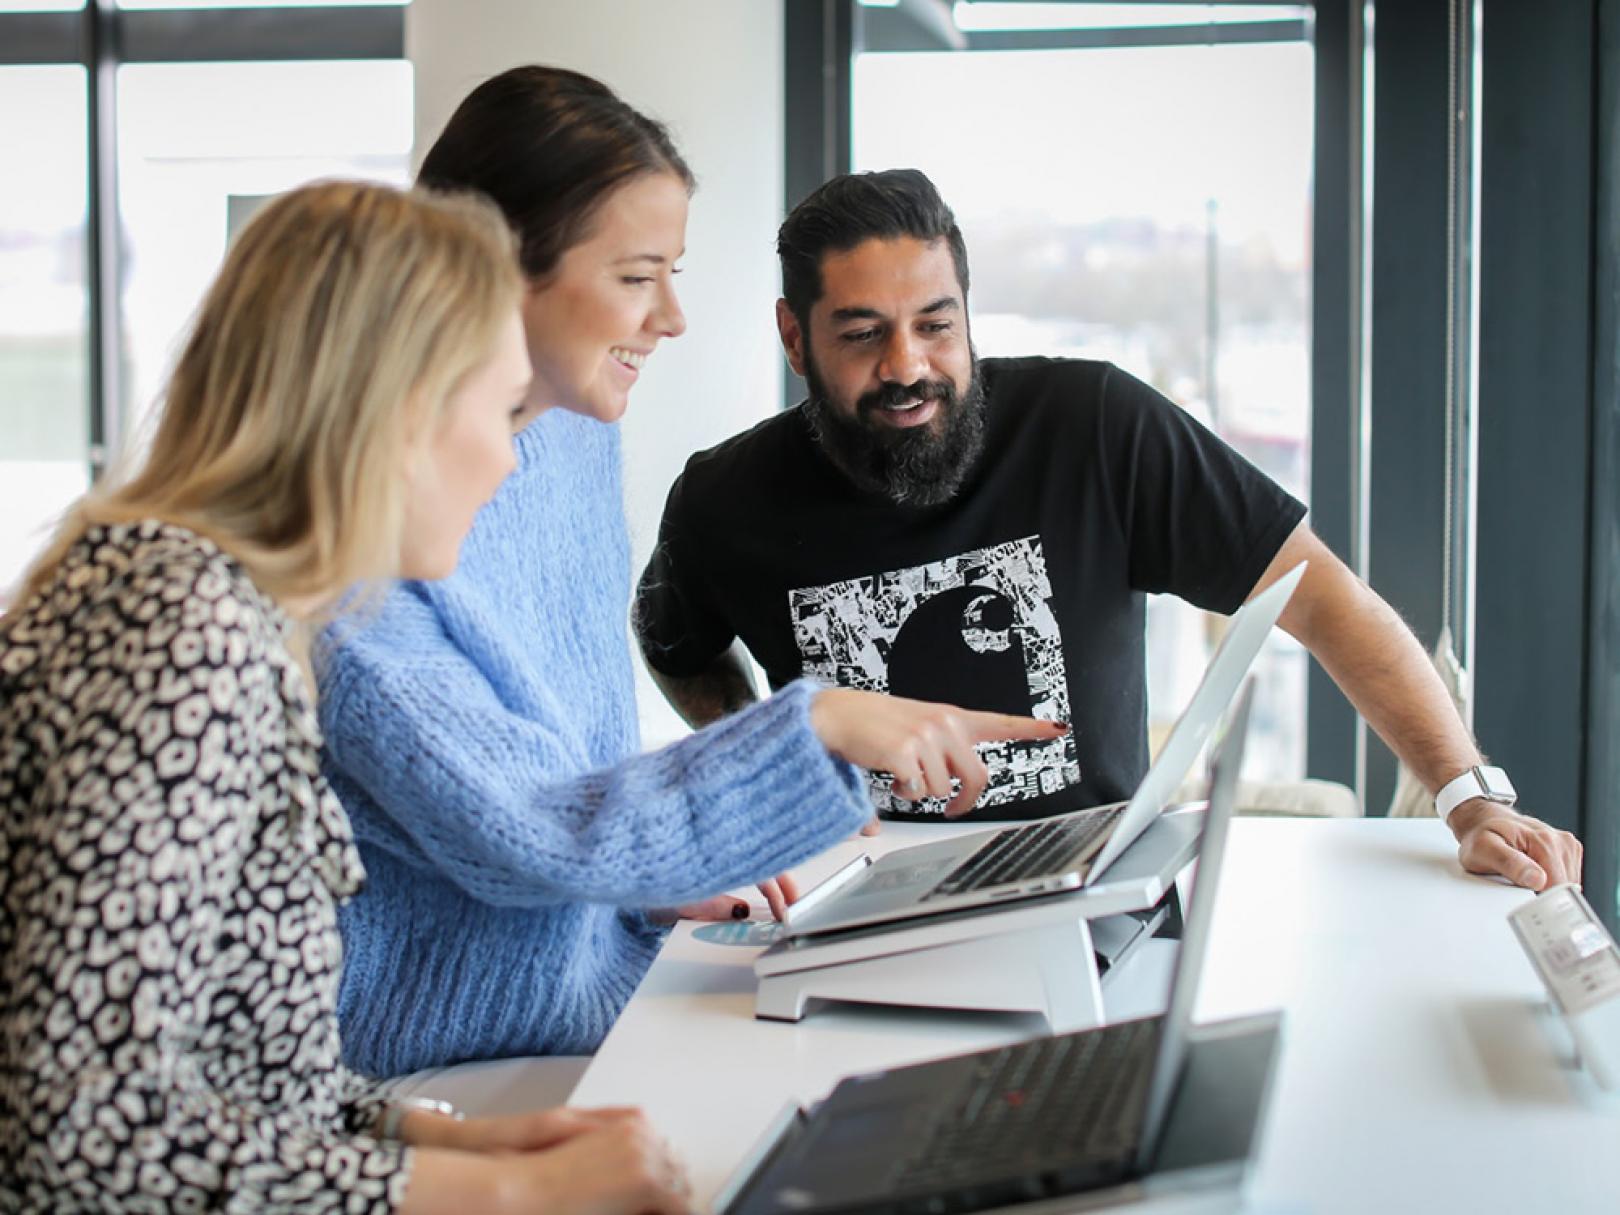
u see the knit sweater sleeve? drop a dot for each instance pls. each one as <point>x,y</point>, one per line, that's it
<point>459,784</point>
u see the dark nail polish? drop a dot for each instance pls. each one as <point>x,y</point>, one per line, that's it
<point>739,911</point>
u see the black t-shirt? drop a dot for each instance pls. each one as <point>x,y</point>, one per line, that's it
<point>1023,594</point>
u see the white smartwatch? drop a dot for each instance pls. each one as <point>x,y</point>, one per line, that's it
<point>1490,783</point>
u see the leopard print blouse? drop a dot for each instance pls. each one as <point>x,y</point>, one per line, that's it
<point>170,866</point>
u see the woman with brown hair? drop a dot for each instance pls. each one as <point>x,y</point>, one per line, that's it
<point>482,730</point>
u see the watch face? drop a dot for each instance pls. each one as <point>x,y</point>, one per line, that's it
<point>1494,784</point>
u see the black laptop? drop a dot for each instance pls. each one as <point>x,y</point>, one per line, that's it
<point>1053,1116</point>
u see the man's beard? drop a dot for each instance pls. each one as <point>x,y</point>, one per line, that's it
<point>911,466</point>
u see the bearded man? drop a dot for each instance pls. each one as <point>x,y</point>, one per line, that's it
<point>985,533</point>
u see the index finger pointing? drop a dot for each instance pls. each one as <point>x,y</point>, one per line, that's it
<point>997,727</point>
<point>789,886</point>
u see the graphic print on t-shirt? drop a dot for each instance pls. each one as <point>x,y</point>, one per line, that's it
<point>976,630</point>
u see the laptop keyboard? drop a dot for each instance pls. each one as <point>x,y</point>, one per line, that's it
<point>1026,852</point>
<point>1072,1102</point>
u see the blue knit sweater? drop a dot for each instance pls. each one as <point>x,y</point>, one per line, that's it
<point>481,732</point>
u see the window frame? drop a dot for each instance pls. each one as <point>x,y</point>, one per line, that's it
<point>101,38</point>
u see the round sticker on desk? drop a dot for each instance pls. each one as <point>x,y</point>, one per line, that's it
<point>738,932</point>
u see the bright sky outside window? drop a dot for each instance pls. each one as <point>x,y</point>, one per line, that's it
<point>43,413</point>
<point>198,142</point>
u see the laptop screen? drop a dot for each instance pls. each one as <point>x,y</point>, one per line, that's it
<point>1246,634</point>
<point>1172,1055</point>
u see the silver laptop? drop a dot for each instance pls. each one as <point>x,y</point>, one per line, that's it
<point>1049,856</point>
<point>1052,1117</point>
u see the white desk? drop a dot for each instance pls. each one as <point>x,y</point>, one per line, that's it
<point>1419,1072</point>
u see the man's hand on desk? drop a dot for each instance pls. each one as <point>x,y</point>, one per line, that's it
<point>1493,839</point>
<point>1371,654</point>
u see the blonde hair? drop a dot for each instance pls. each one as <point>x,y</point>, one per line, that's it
<point>344,317</point>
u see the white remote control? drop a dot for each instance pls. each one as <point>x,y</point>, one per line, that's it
<point>1580,967</point>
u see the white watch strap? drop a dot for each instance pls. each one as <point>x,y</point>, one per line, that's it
<point>1487,782</point>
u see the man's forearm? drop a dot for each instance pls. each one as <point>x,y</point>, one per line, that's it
<point>726,686</point>
<point>1371,654</point>
<point>1377,662</point>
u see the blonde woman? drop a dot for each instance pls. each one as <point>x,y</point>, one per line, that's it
<point>170,858</point>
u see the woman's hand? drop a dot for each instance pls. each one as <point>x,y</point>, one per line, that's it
<point>614,1165</point>
<point>778,891</point>
<point>925,745</point>
<point>531,1132</point>
<point>562,1162</point>
<point>720,907</point>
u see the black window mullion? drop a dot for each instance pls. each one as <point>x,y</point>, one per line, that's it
<point>30,39</point>
<point>1212,34</point>
<point>205,35</point>
<point>1538,410</point>
<point>819,46</point>
<point>102,254</point>
<point>1406,498</point>
<point>1599,820</point>
<point>1330,747</point>
<point>246,34</point>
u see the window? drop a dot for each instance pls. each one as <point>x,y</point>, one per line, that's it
<point>43,415</point>
<point>216,108</point>
<point>1125,203</point>
<point>186,169</point>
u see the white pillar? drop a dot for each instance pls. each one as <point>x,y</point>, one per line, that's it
<point>711,70</point>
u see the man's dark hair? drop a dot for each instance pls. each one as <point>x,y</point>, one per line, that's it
<point>548,146</point>
<point>854,208</point>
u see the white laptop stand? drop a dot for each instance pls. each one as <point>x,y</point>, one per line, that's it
<point>1033,956</point>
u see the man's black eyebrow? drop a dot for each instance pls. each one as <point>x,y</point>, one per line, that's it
<point>856,314</point>
<point>945,303</point>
